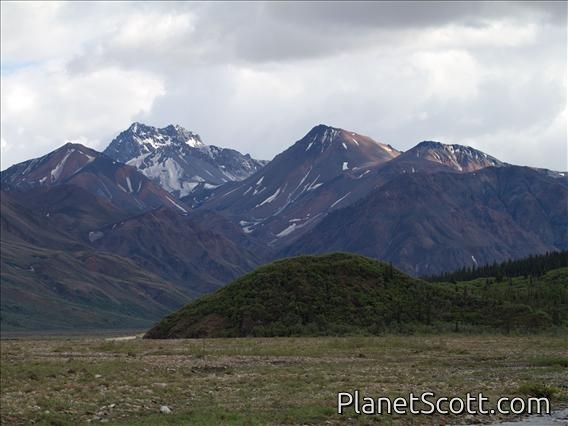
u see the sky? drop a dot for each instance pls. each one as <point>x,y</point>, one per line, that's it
<point>258,76</point>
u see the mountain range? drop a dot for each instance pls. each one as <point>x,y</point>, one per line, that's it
<point>161,211</point>
<point>431,209</point>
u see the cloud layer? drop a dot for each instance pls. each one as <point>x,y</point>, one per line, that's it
<point>257,76</point>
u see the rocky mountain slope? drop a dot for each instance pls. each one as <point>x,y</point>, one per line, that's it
<point>325,170</point>
<point>178,249</point>
<point>430,223</point>
<point>50,280</point>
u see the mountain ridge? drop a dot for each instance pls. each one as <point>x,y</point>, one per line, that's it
<point>75,164</point>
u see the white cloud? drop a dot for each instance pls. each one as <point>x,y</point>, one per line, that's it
<point>4,145</point>
<point>42,108</point>
<point>143,29</point>
<point>257,76</point>
<point>491,35</point>
<point>452,74</point>
<point>19,99</point>
<point>545,144</point>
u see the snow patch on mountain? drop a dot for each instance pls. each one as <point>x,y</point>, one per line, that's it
<point>56,172</point>
<point>288,230</point>
<point>129,184</point>
<point>340,200</point>
<point>248,226</point>
<point>315,184</point>
<point>270,199</point>
<point>179,206</point>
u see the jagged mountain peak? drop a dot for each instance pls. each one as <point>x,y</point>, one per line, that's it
<point>177,158</point>
<point>135,126</point>
<point>141,139</point>
<point>141,128</point>
<point>181,134</point>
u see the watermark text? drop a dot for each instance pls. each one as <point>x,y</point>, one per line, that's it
<point>428,403</point>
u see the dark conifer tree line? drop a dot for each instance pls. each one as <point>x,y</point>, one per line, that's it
<point>532,266</point>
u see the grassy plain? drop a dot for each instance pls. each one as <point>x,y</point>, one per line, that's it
<point>251,381</point>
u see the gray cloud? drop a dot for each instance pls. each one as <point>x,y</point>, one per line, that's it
<point>256,76</point>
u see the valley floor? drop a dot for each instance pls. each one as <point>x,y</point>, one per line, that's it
<point>253,381</point>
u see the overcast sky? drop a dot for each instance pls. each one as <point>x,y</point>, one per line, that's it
<point>257,76</point>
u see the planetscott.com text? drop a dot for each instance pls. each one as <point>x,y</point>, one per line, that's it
<point>429,403</point>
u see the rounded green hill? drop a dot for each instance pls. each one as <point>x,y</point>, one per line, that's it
<point>336,294</point>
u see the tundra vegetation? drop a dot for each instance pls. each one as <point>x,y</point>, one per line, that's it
<point>348,294</point>
<point>253,381</point>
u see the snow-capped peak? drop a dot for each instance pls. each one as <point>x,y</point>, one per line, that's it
<point>140,139</point>
<point>177,159</point>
